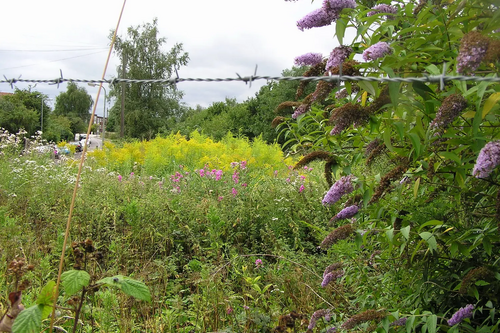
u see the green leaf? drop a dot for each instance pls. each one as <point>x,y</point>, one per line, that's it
<point>432,324</point>
<point>490,102</point>
<point>371,87</point>
<point>451,156</point>
<point>29,320</point>
<point>409,324</point>
<point>400,128</point>
<point>74,280</point>
<point>47,294</point>
<point>431,222</point>
<point>129,286</point>
<point>415,187</point>
<point>415,140</point>
<point>340,30</point>
<point>430,239</point>
<point>406,232</point>
<point>387,139</point>
<point>487,245</point>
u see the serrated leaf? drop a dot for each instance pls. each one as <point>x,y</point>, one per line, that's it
<point>29,320</point>
<point>136,289</point>
<point>74,280</point>
<point>131,287</point>
<point>47,295</point>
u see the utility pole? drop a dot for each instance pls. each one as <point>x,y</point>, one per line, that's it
<point>122,120</point>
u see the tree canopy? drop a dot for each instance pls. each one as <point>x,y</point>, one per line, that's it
<point>147,106</point>
<point>75,104</point>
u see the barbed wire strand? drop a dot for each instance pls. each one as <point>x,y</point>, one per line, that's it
<point>441,79</point>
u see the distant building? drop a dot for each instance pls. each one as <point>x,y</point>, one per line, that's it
<point>5,94</point>
<point>100,122</point>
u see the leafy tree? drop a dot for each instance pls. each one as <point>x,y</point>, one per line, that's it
<point>147,106</point>
<point>251,118</point>
<point>75,104</point>
<point>58,129</point>
<point>15,116</point>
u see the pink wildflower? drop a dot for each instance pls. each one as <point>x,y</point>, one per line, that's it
<point>301,188</point>
<point>120,178</point>
<point>235,193</point>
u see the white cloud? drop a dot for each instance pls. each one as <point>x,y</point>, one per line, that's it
<point>222,37</point>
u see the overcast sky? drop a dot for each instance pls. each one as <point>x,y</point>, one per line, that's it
<point>222,37</point>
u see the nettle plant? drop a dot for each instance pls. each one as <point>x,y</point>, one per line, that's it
<point>76,283</point>
<point>412,166</point>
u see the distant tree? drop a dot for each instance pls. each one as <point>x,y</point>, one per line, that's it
<point>251,118</point>
<point>32,100</point>
<point>147,106</point>
<point>58,129</point>
<point>75,104</point>
<point>262,107</point>
<point>15,116</point>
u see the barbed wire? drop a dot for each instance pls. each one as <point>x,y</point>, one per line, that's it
<point>249,79</point>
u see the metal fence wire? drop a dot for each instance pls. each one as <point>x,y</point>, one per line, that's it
<point>442,79</point>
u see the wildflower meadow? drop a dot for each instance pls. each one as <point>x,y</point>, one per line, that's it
<point>379,213</point>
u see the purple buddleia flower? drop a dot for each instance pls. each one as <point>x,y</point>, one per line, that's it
<point>315,316</point>
<point>338,5</point>
<point>338,56</point>
<point>383,8</point>
<point>341,187</point>
<point>473,48</point>
<point>347,213</point>
<point>461,314</point>
<point>487,160</point>
<point>332,330</point>
<point>450,109</point>
<point>377,51</point>
<point>399,322</point>
<point>309,59</point>
<point>325,15</point>
<point>300,110</point>
<point>316,19</point>
<point>331,277</point>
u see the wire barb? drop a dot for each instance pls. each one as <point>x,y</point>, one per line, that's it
<point>441,79</point>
